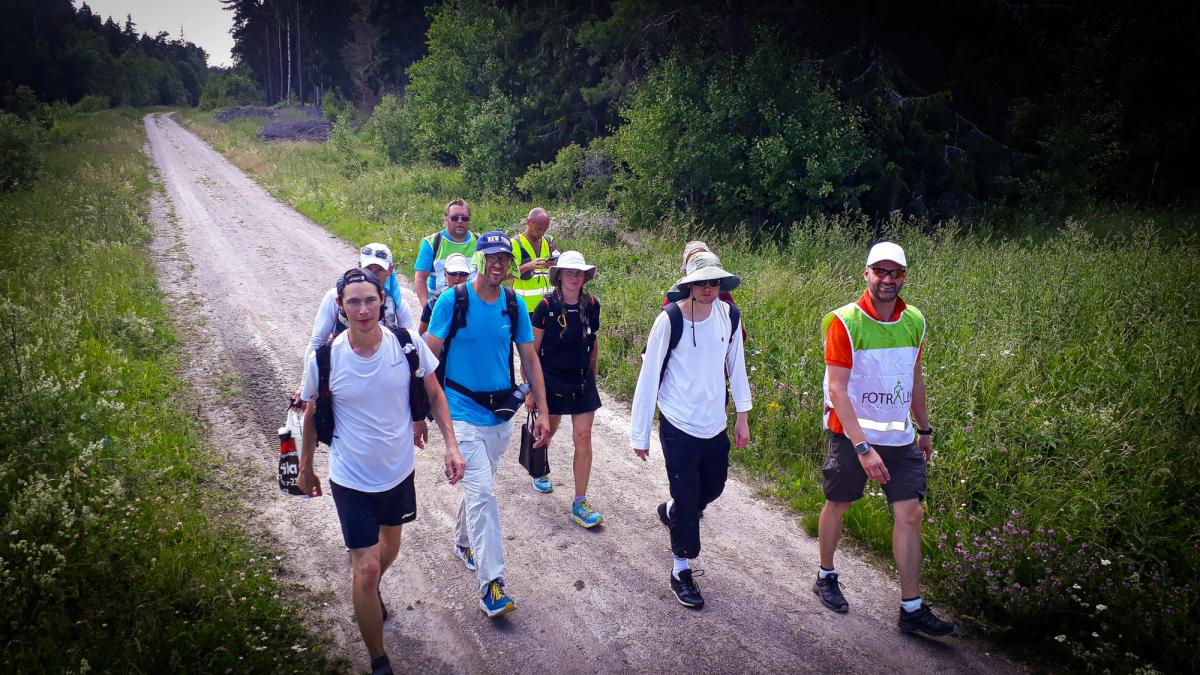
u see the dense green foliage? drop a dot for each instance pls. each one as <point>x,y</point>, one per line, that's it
<point>64,54</point>
<point>109,557</point>
<point>228,88</point>
<point>1062,513</point>
<point>19,160</point>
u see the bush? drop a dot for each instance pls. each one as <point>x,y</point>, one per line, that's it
<point>577,175</point>
<point>91,103</point>
<point>490,146</point>
<point>334,108</point>
<point>19,160</point>
<point>230,88</point>
<point>388,131</point>
<point>343,142</point>
<point>732,143</point>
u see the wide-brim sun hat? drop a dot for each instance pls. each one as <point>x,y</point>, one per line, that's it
<point>375,253</point>
<point>571,260</point>
<point>494,241</point>
<point>706,266</point>
<point>457,262</point>
<point>886,250</point>
<point>690,249</point>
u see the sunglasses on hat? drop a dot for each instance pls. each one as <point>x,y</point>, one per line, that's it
<point>377,252</point>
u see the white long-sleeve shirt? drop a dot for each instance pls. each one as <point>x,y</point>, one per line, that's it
<point>327,319</point>
<point>691,394</point>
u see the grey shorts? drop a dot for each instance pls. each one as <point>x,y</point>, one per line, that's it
<point>845,478</point>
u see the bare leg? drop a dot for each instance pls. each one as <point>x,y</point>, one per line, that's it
<point>581,433</point>
<point>906,545</point>
<point>389,546</point>
<point>365,593</point>
<point>555,420</point>
<point>829,530</point>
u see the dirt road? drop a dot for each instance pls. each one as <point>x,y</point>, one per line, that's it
<point>245,274</point>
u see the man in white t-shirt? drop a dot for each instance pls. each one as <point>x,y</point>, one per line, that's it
<point>690,394</point>
<point>371,458</point>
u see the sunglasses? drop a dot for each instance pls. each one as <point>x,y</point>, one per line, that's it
<point>377,252</point>
<point>458,274</point>
<point>714,283</point>
<point>883,273</point>
<point>459,219</point>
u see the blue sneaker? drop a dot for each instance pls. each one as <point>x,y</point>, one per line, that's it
<point>494,602</point>
<point>585,516</point>
<point>464,554</point>
<point>543,484</point>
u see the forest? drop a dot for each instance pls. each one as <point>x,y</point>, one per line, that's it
<point>748,113</point>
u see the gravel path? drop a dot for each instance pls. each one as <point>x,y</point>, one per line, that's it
<point>245,273</point>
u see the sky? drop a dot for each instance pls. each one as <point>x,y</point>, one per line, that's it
<point>204,21</point>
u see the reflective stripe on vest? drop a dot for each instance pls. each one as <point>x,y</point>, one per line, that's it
<point>533,288</point>
<point>437,277</point>
<point>881,374</point>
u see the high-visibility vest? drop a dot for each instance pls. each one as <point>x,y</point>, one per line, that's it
<point>881,372</point>
<point>537,284</point>
<point>442,246</point>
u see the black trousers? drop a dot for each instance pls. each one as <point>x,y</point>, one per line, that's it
<point>696,469</point>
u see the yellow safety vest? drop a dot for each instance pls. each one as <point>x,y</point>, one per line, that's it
<point>537,284</point>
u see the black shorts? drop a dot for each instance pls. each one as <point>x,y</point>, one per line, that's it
<point>362,513</point>
<point>845,478</point>
<point>566,396</point>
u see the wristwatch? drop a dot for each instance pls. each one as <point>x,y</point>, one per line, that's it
<point>925,432</point>
<point>862,448</point>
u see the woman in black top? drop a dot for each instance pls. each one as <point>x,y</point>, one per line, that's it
<point>565,323</point>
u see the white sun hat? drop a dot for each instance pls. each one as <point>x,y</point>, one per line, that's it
<point>457,262</point>
<point>705,266</point>
<point>375,254</point>
<point>571,260</point>
<point>886,250</point>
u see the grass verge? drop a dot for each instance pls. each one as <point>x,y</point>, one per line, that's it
<point>109,557</point>
<point>1062,373</point>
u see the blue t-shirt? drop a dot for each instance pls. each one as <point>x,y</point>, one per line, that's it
<point>478,356</point>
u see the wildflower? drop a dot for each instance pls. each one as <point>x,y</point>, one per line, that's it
<point>1060,638</point>
<point>1101,608</point>
<point>1105,562</point>
<point>1095,634</point>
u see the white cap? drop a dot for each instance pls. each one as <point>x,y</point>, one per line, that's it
<point>375,254</point>
<point>457,262</point>
<point>886,250</point>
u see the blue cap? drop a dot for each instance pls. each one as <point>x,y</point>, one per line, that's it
<point>494,241</point>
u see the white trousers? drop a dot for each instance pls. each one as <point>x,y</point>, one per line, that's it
<point>479,512</point>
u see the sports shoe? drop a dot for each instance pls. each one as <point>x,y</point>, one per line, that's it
<point>543,484</point>
<point>924,621</point>
<point>464,554</point>
<point>585,516</point>
<point>830,593</point>
<point>494,602</point>
<point>663,517</point>
<point>686,591</point>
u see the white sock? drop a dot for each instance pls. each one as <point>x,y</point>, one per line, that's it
<point>681,564</point>
<point>822,572</point>
<point>911,606</point>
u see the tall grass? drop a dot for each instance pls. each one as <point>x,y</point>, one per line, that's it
<point>109,559</point>
<point>1062,373</point>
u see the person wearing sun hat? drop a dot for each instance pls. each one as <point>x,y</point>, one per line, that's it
<point>874,392</point>
<point>687,381</point>
<point>565,322</point>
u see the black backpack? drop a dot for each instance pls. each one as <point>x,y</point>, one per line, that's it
<point>418,398</point>
<point>676,317</point>
<point>459,319</point>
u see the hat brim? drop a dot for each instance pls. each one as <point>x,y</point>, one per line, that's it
<point>366,260</point>
<point>728,281</point>
<point>589,272</point>
<point>491,250</point>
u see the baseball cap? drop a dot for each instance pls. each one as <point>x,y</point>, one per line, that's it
<point>886,250</point>
<point>494,241</point>
<point>375,254</point>
<point>354,276</point>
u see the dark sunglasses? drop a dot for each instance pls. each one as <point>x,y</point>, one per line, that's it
<point>885,273</point>
<point>377,252</point>
<point>459,219</point>
<point>458,274</point>
<point>707,282</point>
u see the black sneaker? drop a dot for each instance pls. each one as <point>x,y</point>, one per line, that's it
<point>830,593</point>
<point>924,621</point>
<point>686,591</point>
<point>663,517</point>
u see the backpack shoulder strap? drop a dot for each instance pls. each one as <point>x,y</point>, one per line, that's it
<point>675,315</point>
<point>323,420</point>
<point>418,398</point>
<point>735,318</point>
<point>437,244</point>
<point>511,302</point>
<point>458,318</point>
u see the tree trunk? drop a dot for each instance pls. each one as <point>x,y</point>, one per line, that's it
<point>289,61</point>
<point>279,52</point>
<point>299,63</point>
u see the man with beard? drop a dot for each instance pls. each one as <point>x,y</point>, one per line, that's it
<point>873,390</point>
<point>473,329</point>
